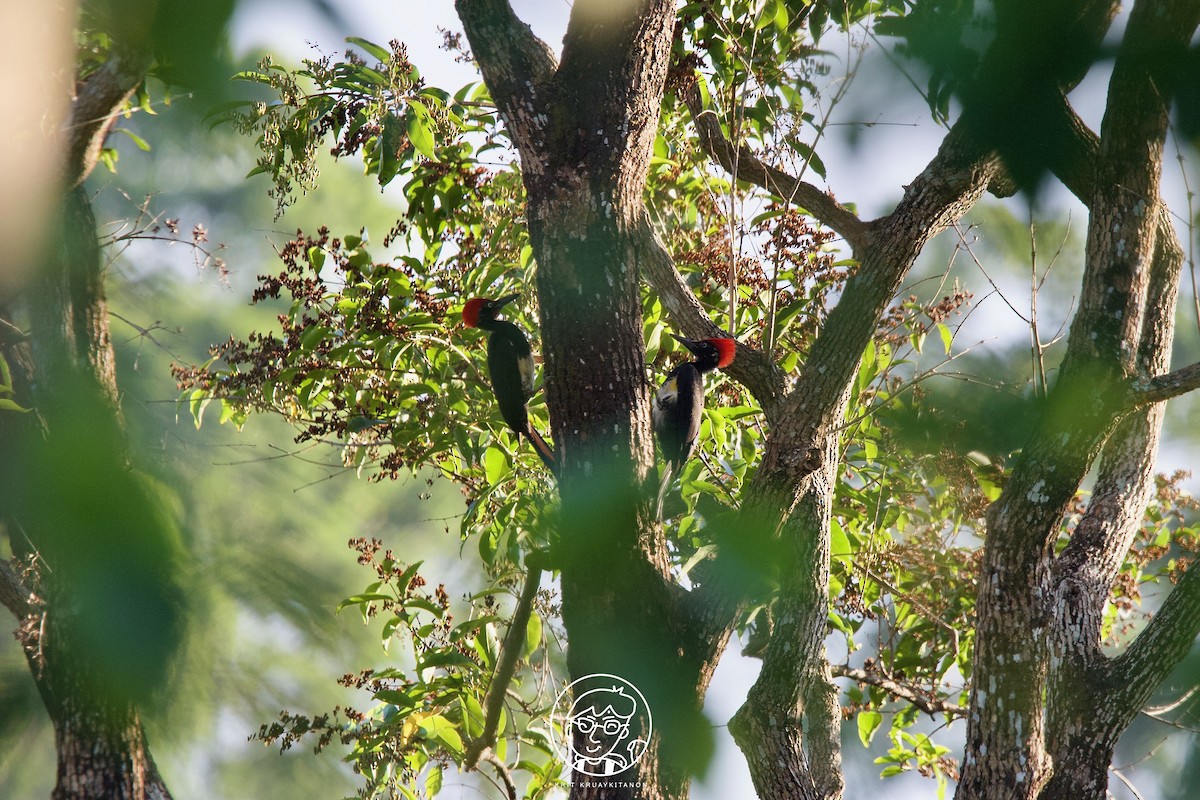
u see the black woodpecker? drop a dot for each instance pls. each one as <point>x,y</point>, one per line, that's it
<point>679,404</point>
<point>510,366</point>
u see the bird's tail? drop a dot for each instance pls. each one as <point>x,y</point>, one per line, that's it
<point>539,444</point>
<point>663,484</point>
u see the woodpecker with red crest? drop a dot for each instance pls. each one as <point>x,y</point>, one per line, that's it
<point>510,367</point>
<point>679,404</point>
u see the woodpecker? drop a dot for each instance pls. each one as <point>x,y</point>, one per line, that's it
<point>679,404</point>
<point>510,367</point>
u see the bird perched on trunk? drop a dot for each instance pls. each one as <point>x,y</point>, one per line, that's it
<point>510,367</point>
<point>679,404</point>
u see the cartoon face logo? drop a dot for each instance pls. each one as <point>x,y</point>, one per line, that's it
<point>607,726</point>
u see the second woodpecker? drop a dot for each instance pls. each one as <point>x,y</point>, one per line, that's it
<point>510,367</point>
<point>679,404</point>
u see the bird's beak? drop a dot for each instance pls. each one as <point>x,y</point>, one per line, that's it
<point>690,344</point>
<point>503,301</point>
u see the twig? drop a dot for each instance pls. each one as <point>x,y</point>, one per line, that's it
<point>502,771</point>
<point>1126,781</point>
<point>1167,707</point>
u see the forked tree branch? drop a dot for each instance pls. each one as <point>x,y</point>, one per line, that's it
<point>748,167</point>
<point>752,368</point>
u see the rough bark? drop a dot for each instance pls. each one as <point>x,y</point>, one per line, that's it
<point>584,130</point>
<point>67,361</point>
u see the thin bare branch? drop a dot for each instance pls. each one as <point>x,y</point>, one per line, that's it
<point>902,690</point>
<point>744,164</point>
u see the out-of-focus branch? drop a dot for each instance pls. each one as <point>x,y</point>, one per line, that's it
<point>14,594</point>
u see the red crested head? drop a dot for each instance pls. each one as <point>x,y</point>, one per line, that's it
<point>470,312</point>
<point>726,350</point>
<point>710,353</point>
<point>481,312</point>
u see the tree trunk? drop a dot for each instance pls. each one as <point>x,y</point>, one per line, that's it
<point>585,129</point>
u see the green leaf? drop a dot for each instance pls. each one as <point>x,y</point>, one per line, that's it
<point>495,465</point>
<point>381,53</point>
<point>386,153</point>
<point>781,17</point>
<point>10,405</point>
<point>449,658</point>
<point>142,144</point>
<point>397,698</point>
<point>433,781</point>
<point>810,155</point>
<point>197,402</point>
<point>533,634</point>
<point>420,128</point>
<point>473,715</point>
<point>109,157</point>
<point>947,336</point>
<point>316,257</point>
<point>440,729</point>
<point>839,542</point>
<point>868,723</point>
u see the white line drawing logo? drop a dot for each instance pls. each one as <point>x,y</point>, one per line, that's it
<point>607,727</point>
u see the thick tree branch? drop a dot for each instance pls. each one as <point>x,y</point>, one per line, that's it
<point>786,728</point>
<point>516,67</point>
<point>751,368</point>
<point>1006,743</point>
<point>1168,637</point>
<point>750,168</point>
<point>946,189</point>
<point>1168,386</point>
<point>1080,733</point>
